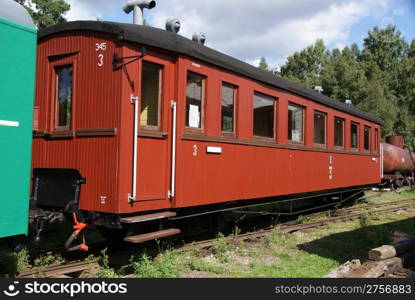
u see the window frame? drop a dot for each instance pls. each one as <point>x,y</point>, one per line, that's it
<point>352,123</point>
<point>160,95</point>
<point>369,130</point>
<point>376,140</point>
<point>343,133</point>
<point>202,105</point>
<point>56,110</point>
<point>235,97</point>
<point>324,114</point>
<point>303,108</point>
<point>274,121</point>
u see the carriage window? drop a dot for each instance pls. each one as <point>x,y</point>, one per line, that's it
<point>354,131</point>
<point>64,96</point>
<point>338,132</point>
<point>228,107</point>
<point>376,140</point>
<point>367,138</point>
<point>319,128</point>
<point>150,94</point>
<point>264,111</point>
<point>295,123</point>
<point>194,98</point>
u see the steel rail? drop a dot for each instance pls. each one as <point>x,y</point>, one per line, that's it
<point>288,228</point>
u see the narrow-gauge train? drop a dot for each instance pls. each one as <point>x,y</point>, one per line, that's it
<point>137,124</point>
<point>17,81</point>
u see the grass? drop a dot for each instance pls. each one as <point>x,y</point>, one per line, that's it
<point>54,236</point>
<point>11,262</point>
<point>303,220</point>
<point>221,248</point>
<point>387,197</point>
<point>364,220</point>
<point>302,254</point>
<point>47,260</point>
<point>165,266</point>
<point>105,271</point>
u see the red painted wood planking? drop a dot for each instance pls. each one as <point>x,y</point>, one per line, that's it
<point>247,167</point>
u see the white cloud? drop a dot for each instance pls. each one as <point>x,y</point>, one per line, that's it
<point>251,29</point>
<point>80,10</point>
<point>340,45</point>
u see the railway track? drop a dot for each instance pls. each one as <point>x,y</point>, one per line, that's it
<point>289,227</point>
<point>75,269</point>
<point>293,228</point>
<point>337,212</point>
<point>79,268</point>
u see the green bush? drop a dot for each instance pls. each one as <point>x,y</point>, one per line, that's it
<point>165,266</point>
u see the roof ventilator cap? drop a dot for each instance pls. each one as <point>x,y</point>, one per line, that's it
<point>349,102</point>
<point>319,89</point>
<point>173,25</point>
<point>138,6</point>
<point>199,37</point>
<point>16,13</point>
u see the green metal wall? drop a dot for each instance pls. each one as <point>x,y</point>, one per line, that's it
<point>17,80</point>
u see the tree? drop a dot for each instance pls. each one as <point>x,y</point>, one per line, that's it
<point>356,51</point>
<point>46,13</point>
<point>263,65</point>
<point>411,52</point>
<point>381,102</point>
<point>305,67</point>
<point>405,123</point>
<point>380,78</point>
<point>386,58</point>
<point>384,49</point>
<point>343,78</point>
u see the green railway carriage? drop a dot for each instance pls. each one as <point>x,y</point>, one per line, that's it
<point>17,79</point>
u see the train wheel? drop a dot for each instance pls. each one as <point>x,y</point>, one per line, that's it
<point>399,183</point>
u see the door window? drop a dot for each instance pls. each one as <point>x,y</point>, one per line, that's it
<point>64,79</point>
<point>150,94</point>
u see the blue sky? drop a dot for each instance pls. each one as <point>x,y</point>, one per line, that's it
<point>249,29</point>
<point>401,13</point>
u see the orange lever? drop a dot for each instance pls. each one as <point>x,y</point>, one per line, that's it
<point>78,225</point>
<point>83,247</point>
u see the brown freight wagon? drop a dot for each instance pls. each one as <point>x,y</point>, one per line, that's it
<point>136,123</point>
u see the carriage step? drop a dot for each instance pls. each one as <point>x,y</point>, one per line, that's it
<point>149,217</point>
<point>141,238</point>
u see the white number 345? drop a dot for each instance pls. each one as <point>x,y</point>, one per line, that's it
<point>100,46</point>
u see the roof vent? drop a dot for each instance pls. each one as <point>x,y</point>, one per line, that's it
<point>173,25</point>
<point>319,89</point>
<point>349,102</point>
<point>199,37</point>
<point>138,6</point>
<point>12,11</point>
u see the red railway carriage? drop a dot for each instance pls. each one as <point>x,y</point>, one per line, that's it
<point>155,122</point>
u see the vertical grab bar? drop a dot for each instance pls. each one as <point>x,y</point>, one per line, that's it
<point>134,101</point>
<point>171,193</point>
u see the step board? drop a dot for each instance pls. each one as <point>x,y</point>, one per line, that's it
<point>149,217</point>
<point>141,238</point>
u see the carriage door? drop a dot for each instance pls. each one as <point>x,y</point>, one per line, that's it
<point>154,133</point>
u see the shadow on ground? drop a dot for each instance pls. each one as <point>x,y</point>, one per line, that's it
<point>354,244</point>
